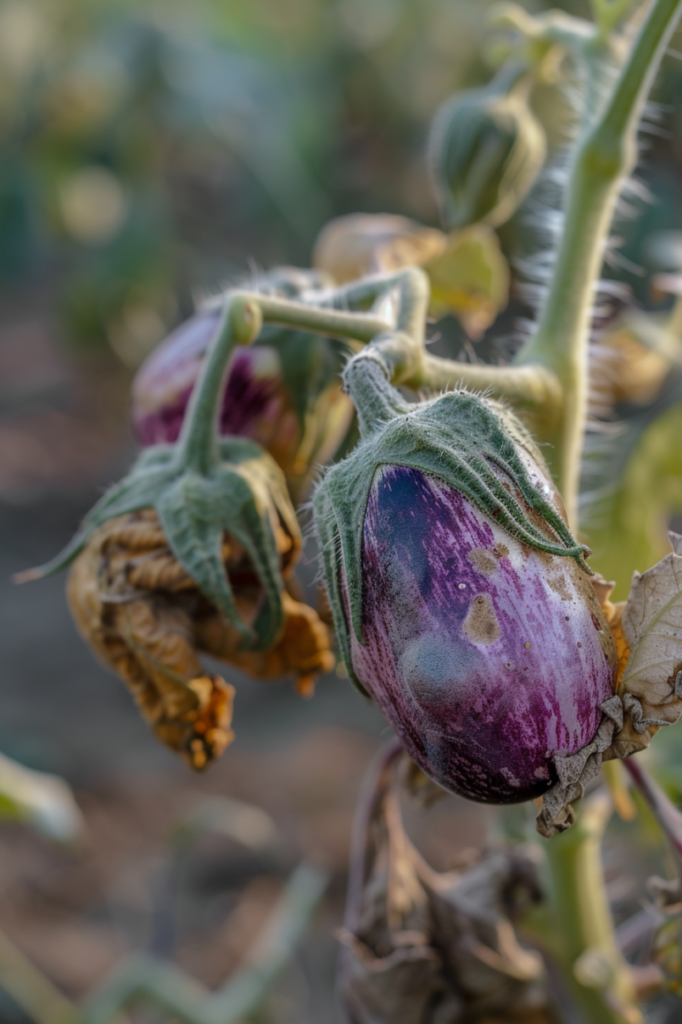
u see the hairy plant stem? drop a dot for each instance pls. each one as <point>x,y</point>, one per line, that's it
<point>241,321</point>
<point>582,938</point>
<point>604,155</point>
<point>350,313</point>
<point>534,388</point>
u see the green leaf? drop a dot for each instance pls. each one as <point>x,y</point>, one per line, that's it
<point>254,533</point>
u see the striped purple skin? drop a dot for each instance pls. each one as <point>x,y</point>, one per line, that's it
<point>486,656</point>
<point>254,403</point>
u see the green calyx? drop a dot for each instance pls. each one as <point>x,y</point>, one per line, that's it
<point>486,149</point>
<point>468,442</point>
<point>244,495</point>
<point>204,487</point>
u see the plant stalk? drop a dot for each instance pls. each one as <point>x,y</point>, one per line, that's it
<point>605,154</point>
<point>142,979</point>
<point>583,939</point>
<point>240,323</point>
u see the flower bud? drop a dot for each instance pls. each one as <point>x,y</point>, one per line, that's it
<point>486,149</point>
<point>463,605</point>
<point>282,393</point>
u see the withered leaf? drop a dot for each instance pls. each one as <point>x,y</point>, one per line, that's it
<point>364,243</point>
<point>576,771</point>
<point>430,947</point>
<point>652,626</point>
<point>399,988</point>
<point>648,633</point>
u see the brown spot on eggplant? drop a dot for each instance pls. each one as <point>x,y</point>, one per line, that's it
<point>483,561</point>
<point>481,625</point>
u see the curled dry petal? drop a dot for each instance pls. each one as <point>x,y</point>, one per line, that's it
<point>142,613</point>
<point>364,243</point>
<point>419,945</point>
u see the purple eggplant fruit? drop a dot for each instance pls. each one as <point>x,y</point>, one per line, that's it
<point>462,604</point>
<point>486,656</point>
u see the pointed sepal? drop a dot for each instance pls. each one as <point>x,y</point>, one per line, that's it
<point>471,444</point>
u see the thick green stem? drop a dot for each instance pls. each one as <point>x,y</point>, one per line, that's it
<point>413,288</point>
<point>332,323</point>
<point>400,334</point>
<point>527,387</point>
<point>582,936</point>
<point>376,401</point>
<point>198,441</point>
<point>604,156</point>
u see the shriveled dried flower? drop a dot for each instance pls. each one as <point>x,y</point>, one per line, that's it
<point>143,614</point>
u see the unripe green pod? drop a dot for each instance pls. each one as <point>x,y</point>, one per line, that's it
<point>486,148</point>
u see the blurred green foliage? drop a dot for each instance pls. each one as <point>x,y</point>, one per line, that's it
<point>147,149</point>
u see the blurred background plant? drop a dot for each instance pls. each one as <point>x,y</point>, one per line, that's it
<point>143,145</point>
<point>150,153</point>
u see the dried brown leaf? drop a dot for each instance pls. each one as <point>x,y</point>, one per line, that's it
<point>576,771</point>
<point>303,648</point>
<point>400,988</point>
<point>440,947</point>
<point>647,629</point>
<point>652,628</point>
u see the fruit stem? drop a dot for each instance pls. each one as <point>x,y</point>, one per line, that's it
<point>667,815</point>
<point>604,155</point>
<point>240,323</point>
<point>528,387</point>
